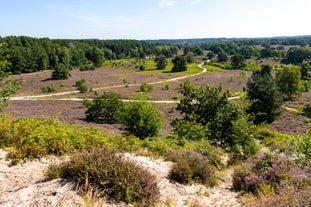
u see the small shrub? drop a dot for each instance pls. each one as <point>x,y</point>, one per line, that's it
<point>80,82</point>
<point>49,88</point>
<point>145,87</point>
<point>87,67</point>
<point>166,87</point>
<point>142,67</point>
<point>110,174</point>
<point>83,88</point>
<point>191,167</point>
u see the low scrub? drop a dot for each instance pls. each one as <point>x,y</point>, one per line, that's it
<point>191,167</point>
<point>274,180</point>
<point>49,88</point>
<point>33,138</point>
<point>109,174</point>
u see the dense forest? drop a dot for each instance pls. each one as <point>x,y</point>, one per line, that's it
<point>26,54</point>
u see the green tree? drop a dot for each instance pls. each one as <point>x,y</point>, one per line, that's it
<point>222,57</point>
<point>264,96</point>
<point>237,61</point>
<point>297,55</point>
<point>180,64</point>
<point>7,85</point>
<point>190,57</point>
<point>289,80</point>
<point>106,108</point>
<point>208,106</point>
<point>161,62</point>
<point>305,69</point>
<point>142,118</point>
<point>61,72</point>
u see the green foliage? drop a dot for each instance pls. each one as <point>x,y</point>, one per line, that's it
<point>61,72</point>
<point>190,129</point>
<point>8,86</point>
<point>264,96</point>
<point>142,67</point>
<point>109,174</point>
<point>299,147</point>
<point>142,118</point>
<point>83,88</point>
<point>208,114</point>
<point>80,82</point>
<point>145,87</point>
<point>86,67</point>
<point>34,138</point>
<point>191,167</point>
<point>297,55</point>
<point>289,80</point>
<point>106,108</point>
<point>161,62</point>
<point>208,106</point>
<point>49,88</point>
<point>237,61</point>
<point>180,64</point>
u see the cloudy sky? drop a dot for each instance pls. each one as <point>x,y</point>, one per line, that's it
<point>154,19</point>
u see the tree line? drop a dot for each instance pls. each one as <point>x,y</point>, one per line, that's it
<point>26,54</point>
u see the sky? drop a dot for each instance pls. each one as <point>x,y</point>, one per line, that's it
<point>154,19</point>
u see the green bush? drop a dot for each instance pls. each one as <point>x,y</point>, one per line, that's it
<point>109,174</point>
<point>142,119</point>
<point>49,88</point>
<point>191,167</point>
<point>145,87</point>
<point>106,108</point>
<point>83,88</point>
<point>61,72</point>
<point>87,67</point>
<point>80,82</point>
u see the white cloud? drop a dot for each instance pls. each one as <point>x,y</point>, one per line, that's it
<point>193,2</point>
<point>167,3</point>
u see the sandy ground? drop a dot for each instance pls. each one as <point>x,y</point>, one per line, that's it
<point>24,185</point>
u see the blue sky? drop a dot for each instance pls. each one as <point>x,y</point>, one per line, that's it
<point>154,19</point>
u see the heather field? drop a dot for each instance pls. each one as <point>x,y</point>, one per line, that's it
<point>126,82</point>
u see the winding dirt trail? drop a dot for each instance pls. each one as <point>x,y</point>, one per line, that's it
<point>38,97</point>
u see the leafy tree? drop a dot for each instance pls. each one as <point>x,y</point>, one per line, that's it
<point>161,62</point>
<point>96,56</point>
<point>305,69</point>
<point>297,55</point>
<point>208,106</point>
<point>61,72</point>
<point>180,64</point>
<point>289,80</point>
<point>106,108</point>
<point>142,118</point>
<point>237,61</point>
<point>7,86</point>
<point>222,57</point>
<point>264,96</point>
<point>190,57</point>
